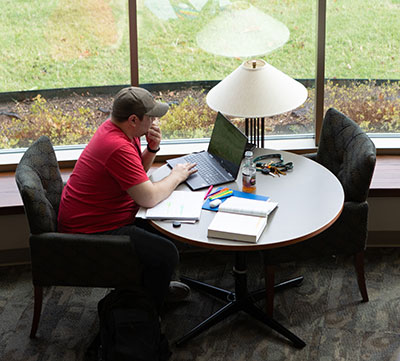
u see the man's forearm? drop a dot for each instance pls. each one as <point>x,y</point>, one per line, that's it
<point>164,187</point>
<point>148,194</point>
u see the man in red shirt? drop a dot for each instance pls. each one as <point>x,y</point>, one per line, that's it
<point>109,183</point>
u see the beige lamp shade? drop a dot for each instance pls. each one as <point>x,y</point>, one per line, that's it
<point>256,89</point>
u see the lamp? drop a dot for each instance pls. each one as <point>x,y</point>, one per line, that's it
<point>253,91</point>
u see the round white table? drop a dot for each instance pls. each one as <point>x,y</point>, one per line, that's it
<point>310,198</point>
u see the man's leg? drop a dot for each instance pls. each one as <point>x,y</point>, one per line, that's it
<point>182,247</point>
<point>158,256</point>
<point>178,291</point>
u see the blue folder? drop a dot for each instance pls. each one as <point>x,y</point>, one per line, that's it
<point>206,204</point>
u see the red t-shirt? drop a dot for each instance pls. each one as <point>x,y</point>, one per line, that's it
<point>95,197</point>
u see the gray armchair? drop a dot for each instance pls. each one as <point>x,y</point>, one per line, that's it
<point>60,259</point>
<point>349,154</point>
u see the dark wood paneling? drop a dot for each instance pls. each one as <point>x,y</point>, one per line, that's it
<point>10,200</point>
<point>385,183</point>
<point>386,178</point>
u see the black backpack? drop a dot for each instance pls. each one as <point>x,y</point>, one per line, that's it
<point>130,328</point>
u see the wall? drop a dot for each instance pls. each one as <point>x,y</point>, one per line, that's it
<point>384,221</point>
<point>14,235</point>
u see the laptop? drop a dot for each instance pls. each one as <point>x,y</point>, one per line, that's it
<point>221,162</point>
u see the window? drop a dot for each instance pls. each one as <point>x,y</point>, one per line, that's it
<point>362,50</point>
<point>70,43</point>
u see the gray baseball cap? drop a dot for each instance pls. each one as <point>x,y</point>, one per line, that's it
<point>138,101</point>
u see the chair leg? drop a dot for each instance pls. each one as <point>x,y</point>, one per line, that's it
<point>37,309</point>
<point>359,265</point>
<point>269,279</point>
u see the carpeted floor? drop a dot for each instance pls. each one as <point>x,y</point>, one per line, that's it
<point>325,311</point>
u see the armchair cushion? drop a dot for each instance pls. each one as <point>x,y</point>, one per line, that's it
<point>61,259</point>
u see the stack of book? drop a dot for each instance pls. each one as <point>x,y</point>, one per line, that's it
<point>241,219</point>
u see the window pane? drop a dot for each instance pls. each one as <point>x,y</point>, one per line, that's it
<point>197,40</point>
<point>51,44</point>
<point>363,45</point>
<point>66,43</point>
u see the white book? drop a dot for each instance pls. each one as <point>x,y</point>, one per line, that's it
<point>251,207</point>
<point>241,219</point>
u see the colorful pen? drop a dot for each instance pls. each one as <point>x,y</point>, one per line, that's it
<point>208,191</point>
<point>226,195</point>
<point>217,191</point>
<point>222,194</point>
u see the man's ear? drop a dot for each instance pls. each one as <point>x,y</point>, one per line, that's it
<point>133,119</point>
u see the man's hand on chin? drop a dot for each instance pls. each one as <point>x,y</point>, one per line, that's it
<point>153,136</point>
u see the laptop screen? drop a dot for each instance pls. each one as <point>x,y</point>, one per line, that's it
<point>227,143</point>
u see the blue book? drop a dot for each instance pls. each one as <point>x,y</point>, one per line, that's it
<point>206,204</point>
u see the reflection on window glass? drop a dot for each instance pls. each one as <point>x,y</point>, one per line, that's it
<point>206,40</point>
<point>242,31</point>
<point>192,40</point>
<point>362,50</point>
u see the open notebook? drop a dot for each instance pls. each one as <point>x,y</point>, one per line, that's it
<point>180,205</point>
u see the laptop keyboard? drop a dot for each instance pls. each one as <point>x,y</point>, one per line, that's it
<point>206,169</point>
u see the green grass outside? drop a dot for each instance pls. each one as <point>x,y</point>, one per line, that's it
<point>66,43</point>
<point>30,31</point>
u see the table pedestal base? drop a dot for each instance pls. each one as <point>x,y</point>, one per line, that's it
<point>240,300</point>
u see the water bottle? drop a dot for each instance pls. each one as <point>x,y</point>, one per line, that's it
<point>248,173</point>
